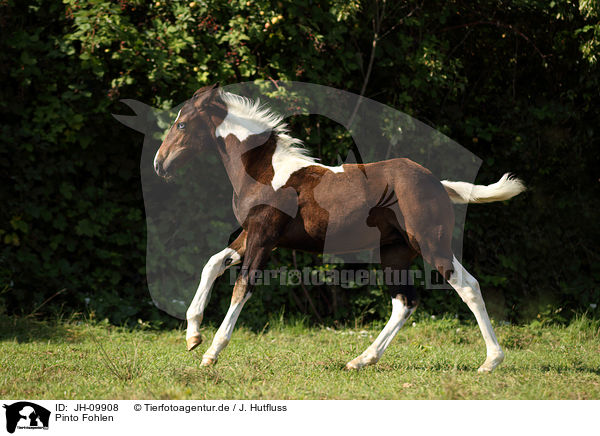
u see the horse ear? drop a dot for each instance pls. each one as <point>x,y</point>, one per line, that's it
<point>205,95</point>
<point>205,89</point>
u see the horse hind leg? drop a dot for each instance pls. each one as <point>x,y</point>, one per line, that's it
<point>400,313</point>
<point>469,291</point>
<point>438,253</point>
<point>404,303</point>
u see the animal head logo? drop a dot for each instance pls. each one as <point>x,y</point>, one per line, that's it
<point>26,415</point>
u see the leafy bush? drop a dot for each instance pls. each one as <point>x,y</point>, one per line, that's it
<point>517,86</point>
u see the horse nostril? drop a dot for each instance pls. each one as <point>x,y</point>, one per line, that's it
<point>158,168</point>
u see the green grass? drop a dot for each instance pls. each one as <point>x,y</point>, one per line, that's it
<point>435,359</point>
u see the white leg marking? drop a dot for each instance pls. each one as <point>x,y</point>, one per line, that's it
<point>468,290</point>
<point>216,266</point>
<point>223,335</point>
<point>371,355</point>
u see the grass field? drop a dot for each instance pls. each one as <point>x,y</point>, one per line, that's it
<point>432,359</point>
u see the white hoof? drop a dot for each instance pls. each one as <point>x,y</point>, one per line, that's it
<point>351,366</point>
<point>491,363</point>
<point>208,361</point>
<point>360,362</point>
<point>193,342</point>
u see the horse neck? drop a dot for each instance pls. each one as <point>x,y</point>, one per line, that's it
<point>248,138</point>
<point>248,161</point>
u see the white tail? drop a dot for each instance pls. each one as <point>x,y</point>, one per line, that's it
<point>463,192</point>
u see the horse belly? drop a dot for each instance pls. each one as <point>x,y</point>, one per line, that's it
<point>336,214</point>
<point>340,228</point>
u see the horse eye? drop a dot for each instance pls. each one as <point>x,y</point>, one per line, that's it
<point>181,126</point>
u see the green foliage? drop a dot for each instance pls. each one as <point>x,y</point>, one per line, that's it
<point>517,85</point>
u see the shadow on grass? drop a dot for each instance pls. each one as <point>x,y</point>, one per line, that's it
<point>440,367</point>
<point>338,365</point>
<point>23,330</point>
<point>190,375</point>
<point>565,369</point>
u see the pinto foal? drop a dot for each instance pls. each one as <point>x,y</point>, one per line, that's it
<point>284,198</point>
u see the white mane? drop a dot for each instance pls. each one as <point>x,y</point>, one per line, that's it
<point>249,110</point>
<point>246,108</point>
<point>246,117</point>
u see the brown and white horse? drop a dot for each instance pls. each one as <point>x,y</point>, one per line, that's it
<point>284,198</point>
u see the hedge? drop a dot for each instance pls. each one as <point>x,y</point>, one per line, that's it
<point>517,84</point>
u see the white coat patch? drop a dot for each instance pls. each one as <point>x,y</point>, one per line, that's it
<point>245,118</point>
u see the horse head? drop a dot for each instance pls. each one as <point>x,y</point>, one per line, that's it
<point>192,132</point>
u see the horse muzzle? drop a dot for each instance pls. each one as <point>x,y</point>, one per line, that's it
<point>158,167</point>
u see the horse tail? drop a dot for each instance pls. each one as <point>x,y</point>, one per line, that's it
<point>463,192</point>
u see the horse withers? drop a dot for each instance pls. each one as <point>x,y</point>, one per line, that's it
<point>282,197</point>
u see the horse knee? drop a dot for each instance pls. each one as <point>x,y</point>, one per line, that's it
<point>471,296</point>
<point>470,293</point>
<point>219,262</point>
<point>215,265</point>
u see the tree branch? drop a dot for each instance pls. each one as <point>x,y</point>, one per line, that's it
<point>376,30</point>
<point>499,24</point>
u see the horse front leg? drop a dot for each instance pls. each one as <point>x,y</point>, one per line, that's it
<point>241,294</point>
<point>257,253</point>
<point>215,267</point>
